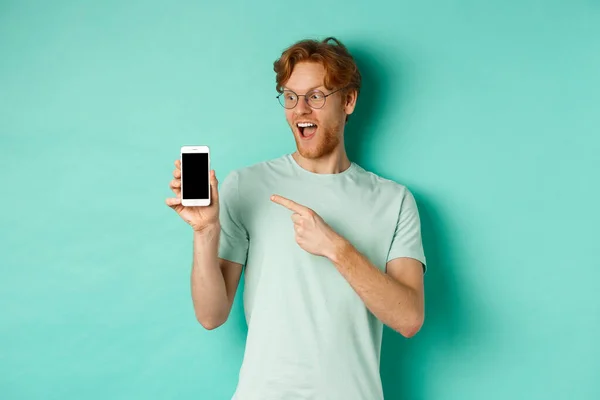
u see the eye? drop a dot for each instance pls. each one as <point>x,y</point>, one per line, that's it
<point>316,96</point>
<point>289,96</point>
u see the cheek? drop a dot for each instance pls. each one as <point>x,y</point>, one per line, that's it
<point>327,119</point>
<point>289,116</point>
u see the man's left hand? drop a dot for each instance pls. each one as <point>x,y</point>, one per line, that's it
<point>312,232</point>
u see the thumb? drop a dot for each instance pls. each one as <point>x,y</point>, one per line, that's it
<point>214,184</point>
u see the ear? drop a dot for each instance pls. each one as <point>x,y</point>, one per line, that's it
<point>349,101</point>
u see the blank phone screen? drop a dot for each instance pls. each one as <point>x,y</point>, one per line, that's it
<point>194,175</point>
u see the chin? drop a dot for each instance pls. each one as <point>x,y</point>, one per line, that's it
<point>314,151</point>
<point>322,144</point>
<point>309,153</point>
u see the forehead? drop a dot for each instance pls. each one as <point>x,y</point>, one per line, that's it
<point>306,76</point>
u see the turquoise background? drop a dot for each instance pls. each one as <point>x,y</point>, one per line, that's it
<point>488,111</point>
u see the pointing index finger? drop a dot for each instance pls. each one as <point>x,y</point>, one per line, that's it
<point>289,204</point>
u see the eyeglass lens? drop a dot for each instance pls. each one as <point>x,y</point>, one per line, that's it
<point>315,99</point>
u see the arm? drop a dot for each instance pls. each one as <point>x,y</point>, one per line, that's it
<point>395,297</point>
<point>214,280</point>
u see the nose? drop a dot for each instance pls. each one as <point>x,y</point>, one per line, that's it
<point>302,108</point>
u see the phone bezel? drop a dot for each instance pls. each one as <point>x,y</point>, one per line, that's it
<point>194,202</point>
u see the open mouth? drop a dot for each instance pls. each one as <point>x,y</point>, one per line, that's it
<point>307,129</point>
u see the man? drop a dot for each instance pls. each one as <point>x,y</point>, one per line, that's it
<point>331,251</point>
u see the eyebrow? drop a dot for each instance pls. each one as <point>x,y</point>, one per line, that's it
<point>312,88</point>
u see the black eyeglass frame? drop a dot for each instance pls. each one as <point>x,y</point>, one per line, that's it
<point>305,99</point>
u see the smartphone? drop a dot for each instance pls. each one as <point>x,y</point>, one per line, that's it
<point>195,176</point>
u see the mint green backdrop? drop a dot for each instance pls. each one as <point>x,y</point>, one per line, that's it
<point>488,112</point>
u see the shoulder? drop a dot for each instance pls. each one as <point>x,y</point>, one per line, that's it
<point>260,168</point>
<point>249,178</point>
<point>384,186</point>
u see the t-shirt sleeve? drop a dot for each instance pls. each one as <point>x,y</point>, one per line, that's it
<point>234,239</point>
<point>407,240</point>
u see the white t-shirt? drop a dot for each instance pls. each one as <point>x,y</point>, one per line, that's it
<point>310,336</point>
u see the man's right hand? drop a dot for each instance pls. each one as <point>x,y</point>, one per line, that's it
<point>199,218</point>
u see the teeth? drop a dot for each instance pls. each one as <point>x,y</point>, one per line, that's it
<point>305,124</point>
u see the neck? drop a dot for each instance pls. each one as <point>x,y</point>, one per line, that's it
<point>332,163</point>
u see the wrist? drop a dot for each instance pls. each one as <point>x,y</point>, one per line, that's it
<point>338,248</point>
<point>209,229</point>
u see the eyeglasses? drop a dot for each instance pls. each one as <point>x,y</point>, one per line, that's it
<point>315,98</point>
